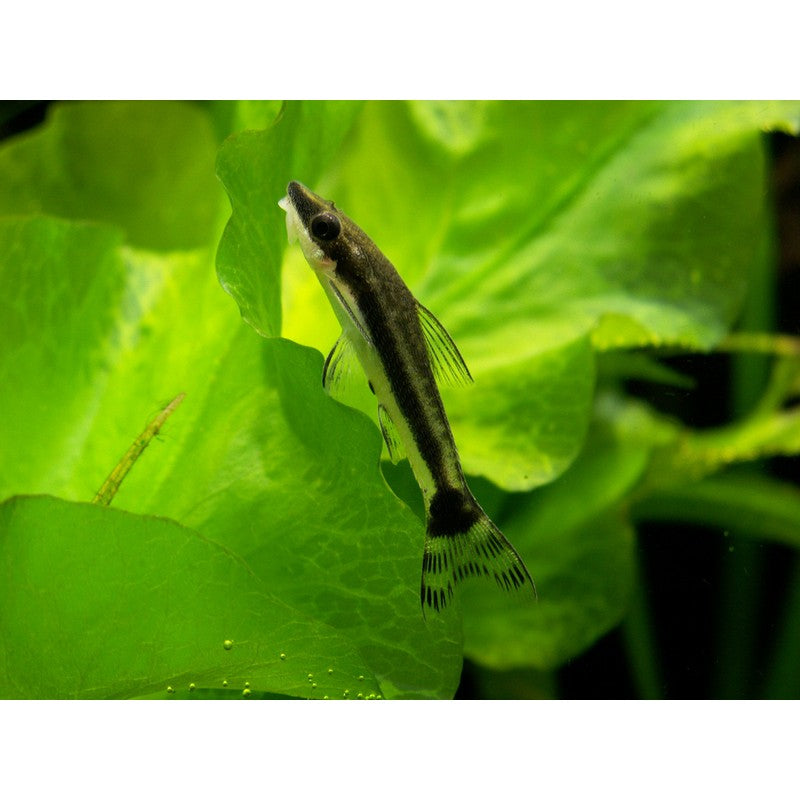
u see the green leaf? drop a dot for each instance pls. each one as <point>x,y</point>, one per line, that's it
<point>526,227</point>
<point>99,603</point>
<point>533,415</point>
<point>97,338</point>
<point>230,116</point>
<point>146,167</point>
<point>289,480</point>
<point>692,455</point>
<point>57,323</point>
<point>255,168</point>
<point>254,436</point>
<point>680,455</point>
<point>579,549</point>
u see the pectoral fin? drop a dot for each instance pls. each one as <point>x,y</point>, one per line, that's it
<point>350,313</point>
<point>337,366</point>
<point>448,365</point>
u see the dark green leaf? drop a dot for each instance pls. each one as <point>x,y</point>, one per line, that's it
<point>752,505</point>
<point>145,167</point>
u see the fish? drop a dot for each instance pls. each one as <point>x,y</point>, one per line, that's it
<point>403,350</point>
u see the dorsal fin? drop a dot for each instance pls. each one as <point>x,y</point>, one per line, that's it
<point>448,365</point>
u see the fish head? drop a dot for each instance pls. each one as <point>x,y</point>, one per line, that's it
<point>326,236</point>
<point>314,223</point>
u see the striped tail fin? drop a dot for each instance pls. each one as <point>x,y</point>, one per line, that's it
<point>462,542</point>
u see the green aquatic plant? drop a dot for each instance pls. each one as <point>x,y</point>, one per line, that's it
<point>260,538</point>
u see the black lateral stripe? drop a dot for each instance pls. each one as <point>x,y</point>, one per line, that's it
<point>408,370</point>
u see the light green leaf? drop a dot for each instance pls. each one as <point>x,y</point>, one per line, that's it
<point>255,168</point>
<point>257,456</point>
<point>231,116</point>
<point>681,457</point>
<point>98,603</point>
<point>542,401</point>
<point>56,322</point>
<point>97,338</point>
<point>690,455</point>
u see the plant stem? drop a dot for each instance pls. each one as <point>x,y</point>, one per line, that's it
<point>783,680</point>
<point>637,633</point>
<point>743,569</point>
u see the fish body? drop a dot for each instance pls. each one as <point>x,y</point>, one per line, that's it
<point>402,349</point>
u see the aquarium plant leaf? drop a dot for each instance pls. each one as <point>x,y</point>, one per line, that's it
<point>255,167</point>
<point>289,480</point>
<point>579,548</point>
<point>99,603</point>
<point>145,167</point>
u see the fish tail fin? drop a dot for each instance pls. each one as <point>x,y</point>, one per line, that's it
<point>462,542</point>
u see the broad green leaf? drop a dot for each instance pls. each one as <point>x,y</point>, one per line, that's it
<point>542,401</point>
<point>147,167</point>
<point>579,549</point>
<point>255,167</point>
<point>61,286</point>
<point>288,479</point>
<point>97,603</point>
<point>97,338</point>
<point>528,226</point>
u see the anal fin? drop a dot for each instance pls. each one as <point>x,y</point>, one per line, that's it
<point>390,435</point>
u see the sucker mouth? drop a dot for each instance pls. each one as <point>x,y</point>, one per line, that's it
<point>292,220</point>
<point>296,232</point>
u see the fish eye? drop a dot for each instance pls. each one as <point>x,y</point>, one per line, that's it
<point>326,227</point>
